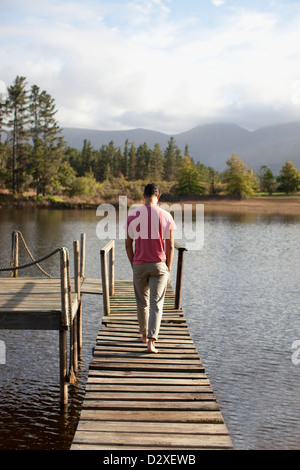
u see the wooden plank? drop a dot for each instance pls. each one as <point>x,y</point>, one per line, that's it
<point>151,374</point>
<point>149,360</point>
<point>91,286</point>
<point>177,395</point>
<point>152,427</point>
<point>143,366</point>
<point>164,329</point>
<point>108,350</point>
<point>151,405</point>
<point>153,439</point>
<point>147,381</point>
<point>136,355</point>
<point>142,387</point>
<point>163,342</point>
<point>167,416</point>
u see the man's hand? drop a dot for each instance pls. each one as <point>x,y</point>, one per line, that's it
<point>170,250</point>
<point>129,249</point>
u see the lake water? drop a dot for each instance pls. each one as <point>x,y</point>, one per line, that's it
<point>241,297</point>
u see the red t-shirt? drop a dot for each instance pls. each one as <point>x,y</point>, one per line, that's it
<point>149,226</point>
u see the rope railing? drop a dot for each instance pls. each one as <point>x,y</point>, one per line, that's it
<point>15,255</point>
<point>34,262</point>
<point>64,271</point>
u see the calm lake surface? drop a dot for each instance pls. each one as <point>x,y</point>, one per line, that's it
<point>241,297</point>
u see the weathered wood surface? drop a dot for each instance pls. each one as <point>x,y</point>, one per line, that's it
<point>91,286</point>
<point>35,302</point>
<point>138,400</point>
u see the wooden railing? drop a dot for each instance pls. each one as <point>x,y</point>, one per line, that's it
<point>181,249</point>
<point>108,274</point>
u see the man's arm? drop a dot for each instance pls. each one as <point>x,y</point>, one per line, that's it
<point>170,250</point>
<point>129,248</point>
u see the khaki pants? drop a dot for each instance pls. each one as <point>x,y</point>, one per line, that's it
<point>150,283</point>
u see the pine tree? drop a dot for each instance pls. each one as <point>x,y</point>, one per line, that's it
<point>125,159</point>
<point>36,133</point>
<point>36,162</point>
<point>34,108</point>
<point>132,163</point>
<point>86,158</point>
<point>2,146</point>
<point>170,160</point>
<point>212,176</point>
<point>17,107</point>
<point>2,115</point>
<point>109,167</point>
<point>142,160</point>
<point>117,162</point>
<point>156,164</point>
<point>186,151</point>
<point>46,135</point>
<point>5,164</point>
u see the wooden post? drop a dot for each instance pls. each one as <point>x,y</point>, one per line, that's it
<point>112,270</point>
<point>79,312</point>
<point>107,283</point>
<point>105,289</point>
<point>82,255</point>
<point>179,277</point>
<point>76,267</point>
<point>74,320</point>
<point>15,246</point>
<point>63,367</point>
<point>64,327</point>
<point>79,327</point>
<point>64,288</point>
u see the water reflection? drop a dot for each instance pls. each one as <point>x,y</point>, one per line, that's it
<point>253,218</point>
<point>241,299</point>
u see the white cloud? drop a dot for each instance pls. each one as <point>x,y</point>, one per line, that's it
<point>218,3</point>
<point>157,72</point>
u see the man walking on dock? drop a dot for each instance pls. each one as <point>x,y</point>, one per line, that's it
<point>150,227</point>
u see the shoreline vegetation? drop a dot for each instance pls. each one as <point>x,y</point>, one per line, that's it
<point>39,169</point>
<point>262,204</point>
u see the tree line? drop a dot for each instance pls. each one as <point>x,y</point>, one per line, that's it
<point>33,149</point>
<point>33,154</point>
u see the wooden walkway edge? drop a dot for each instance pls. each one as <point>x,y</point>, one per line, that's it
<point>136,400</point>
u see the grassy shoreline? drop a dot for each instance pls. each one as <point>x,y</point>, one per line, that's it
<point>259,205</point>
<point>276,205</point>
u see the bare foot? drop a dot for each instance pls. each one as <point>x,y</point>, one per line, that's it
<point>144,338</point>
<point>151,348</point>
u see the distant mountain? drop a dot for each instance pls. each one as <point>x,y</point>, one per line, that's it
<point>75,137</point>
<point>211,144</point>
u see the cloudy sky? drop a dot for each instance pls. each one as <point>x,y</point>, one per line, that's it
<point>166,65</point>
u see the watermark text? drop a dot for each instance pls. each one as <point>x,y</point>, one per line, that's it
<point>188,218</point>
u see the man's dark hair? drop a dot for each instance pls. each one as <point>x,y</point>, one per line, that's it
<point>151,189</point>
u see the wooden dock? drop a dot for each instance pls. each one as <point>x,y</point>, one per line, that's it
<point>134,399</point>
<point>137,400</point>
